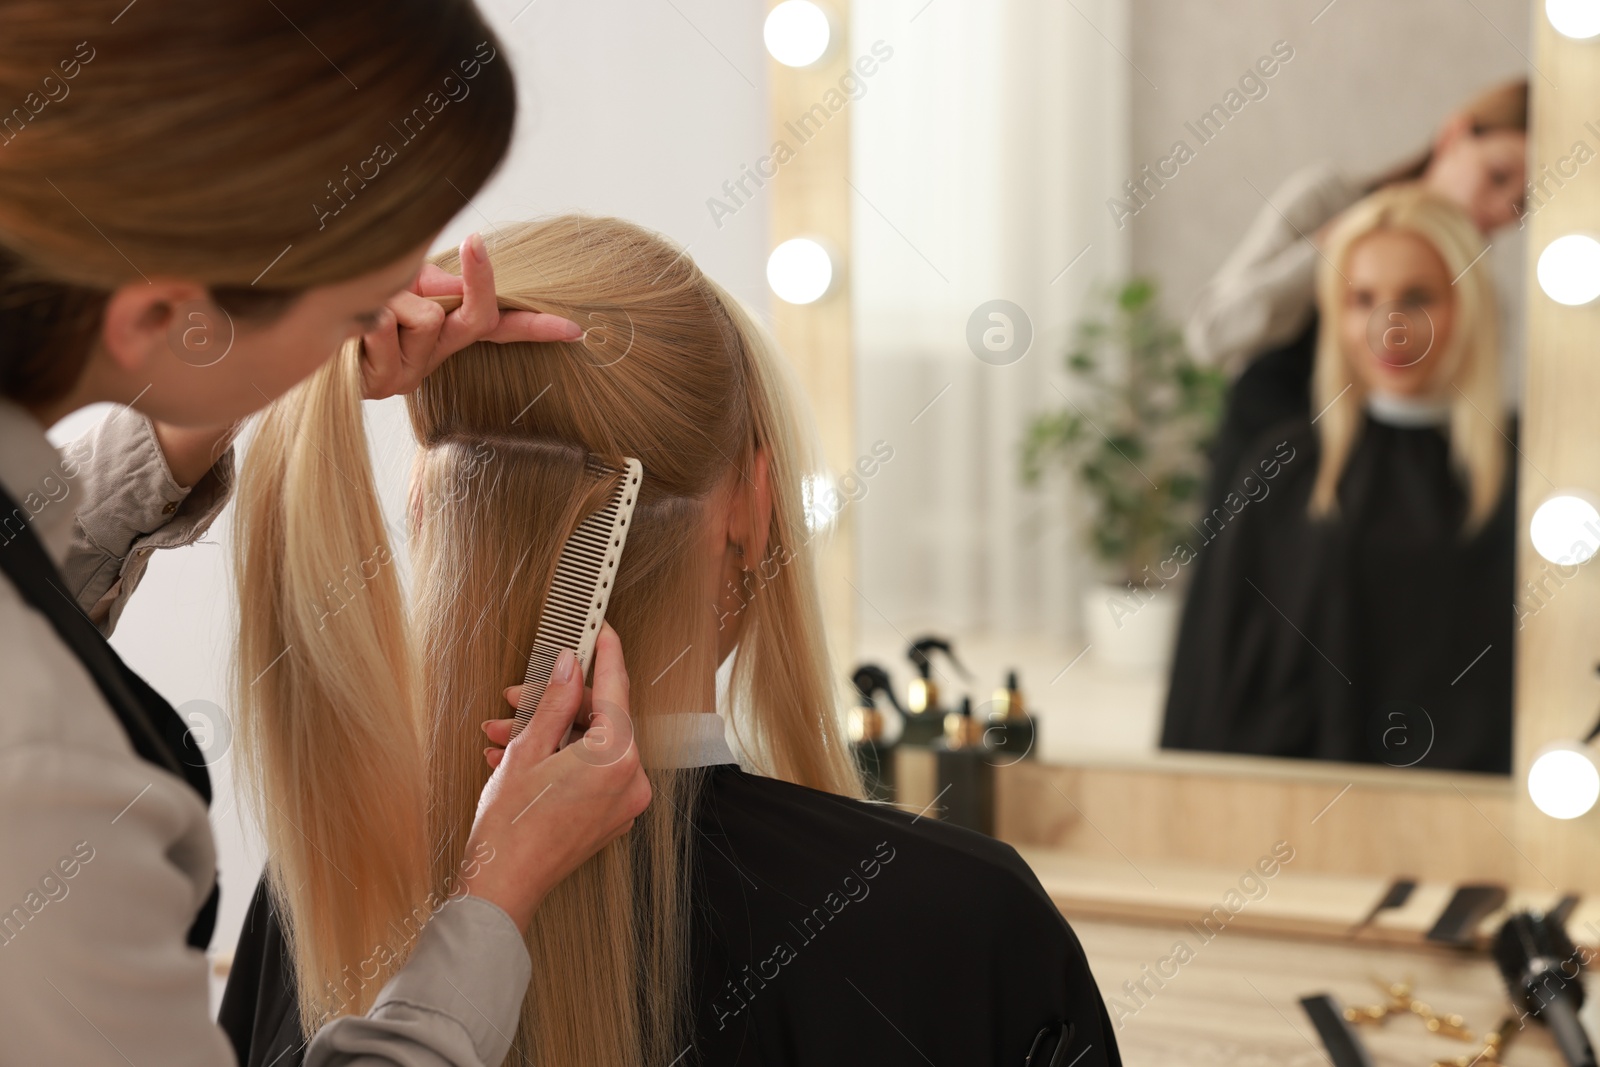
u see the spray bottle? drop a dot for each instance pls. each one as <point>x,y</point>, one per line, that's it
<point>867,729</point>
<point>924,713</point>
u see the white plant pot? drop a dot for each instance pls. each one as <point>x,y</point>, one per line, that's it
<point>1129,629</point>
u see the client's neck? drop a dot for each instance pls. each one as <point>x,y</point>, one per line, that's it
<point>673,675</point>
<point>680,676</point>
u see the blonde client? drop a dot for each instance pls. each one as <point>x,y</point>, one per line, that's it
<point>755,913</point>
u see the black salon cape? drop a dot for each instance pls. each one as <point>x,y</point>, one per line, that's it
<point>1383,635</point>
<point>824,931</point>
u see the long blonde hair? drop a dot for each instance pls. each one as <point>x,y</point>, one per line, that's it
<point>1471,361</point>
<point>364,736</point>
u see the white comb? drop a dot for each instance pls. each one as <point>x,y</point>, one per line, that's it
<point>581,588</point>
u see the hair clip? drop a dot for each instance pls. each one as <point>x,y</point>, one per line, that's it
<point>1399,1002</point>
<point>1493,1045</point>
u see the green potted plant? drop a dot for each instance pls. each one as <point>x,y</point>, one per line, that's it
<point>1133,434</point>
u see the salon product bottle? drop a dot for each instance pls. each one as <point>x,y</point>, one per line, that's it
<point>924,713</point>
<point>1013,733</point>
<point>964,771</point>
<point>867,727</point>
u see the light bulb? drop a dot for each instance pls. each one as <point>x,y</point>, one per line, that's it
<point>1574,18</point>
<point>1565,528</point>
<point>1569,269</point>
<point>797,33</point>
<point>819,498</point>
<point>800,270</point>
<point>1563,783</point>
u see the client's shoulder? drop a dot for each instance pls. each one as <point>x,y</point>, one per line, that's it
<point>939,928</point>
<point>810,828</point>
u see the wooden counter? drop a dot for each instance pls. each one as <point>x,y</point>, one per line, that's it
<point>1236,1002</point>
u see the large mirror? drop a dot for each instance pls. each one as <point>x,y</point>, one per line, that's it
<point>1187,360</point>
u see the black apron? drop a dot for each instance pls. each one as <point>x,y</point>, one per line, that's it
<point>906,938</point>
<point>153,727</point>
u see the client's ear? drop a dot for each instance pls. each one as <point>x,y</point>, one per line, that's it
<point>750,513</point>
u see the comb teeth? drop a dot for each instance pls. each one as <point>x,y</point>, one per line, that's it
<point>580,589</point>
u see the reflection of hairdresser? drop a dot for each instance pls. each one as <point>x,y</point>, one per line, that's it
<point>1358,608</point>
<point>1249,317</point>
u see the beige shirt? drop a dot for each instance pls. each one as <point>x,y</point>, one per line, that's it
<point>1264,293</point>
<point>105,858</point>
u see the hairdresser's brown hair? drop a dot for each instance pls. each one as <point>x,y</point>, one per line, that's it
<point>259,149</point>
<point>672,372</point>
<point>1500,107</point>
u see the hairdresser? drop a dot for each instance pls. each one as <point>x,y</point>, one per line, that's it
<point>199,203</point>
<point>1255,317</point>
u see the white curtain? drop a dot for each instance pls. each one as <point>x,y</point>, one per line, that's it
<point>983,154</point>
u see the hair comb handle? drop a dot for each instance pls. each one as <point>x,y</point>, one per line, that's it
<point>580,590</point>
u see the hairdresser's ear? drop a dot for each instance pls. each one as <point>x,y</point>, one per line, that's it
<point>139,316</point>
<point>1457,126</point>
<point>751,516</point>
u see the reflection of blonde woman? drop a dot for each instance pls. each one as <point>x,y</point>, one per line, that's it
<point>1254,318</point>
<point>764,914</point>
<point>1372,584</point>
<point>1262,295</point>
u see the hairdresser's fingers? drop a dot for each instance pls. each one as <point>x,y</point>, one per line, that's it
<point>395,353</point>
<point>557,708</point>
<point>610,672</point>
<point>533,326</point>
<point>399,354</point>
<point>513,695</point>
<point>422,324</point>
<point>380,356</point>
<point>608,740</point>
<point>433,280</point>
<point>479,310</point>
<point>512,325</point>
<point>498,731</point>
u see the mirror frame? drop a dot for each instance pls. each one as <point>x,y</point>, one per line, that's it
<point>1220,809</point>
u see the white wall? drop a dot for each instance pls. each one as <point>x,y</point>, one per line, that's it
<point>640,110</point>
<point>979,154</point>
<point>1368,86</point>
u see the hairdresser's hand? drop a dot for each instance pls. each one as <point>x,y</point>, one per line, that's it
<point>413,335</point>
<point>498,731</point>
<point>544,812</point>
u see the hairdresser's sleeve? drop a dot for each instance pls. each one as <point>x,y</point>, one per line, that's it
<point>456,1002</point>
<point>106,860</point>
<point>1263,294</point>
<point>130,506</point>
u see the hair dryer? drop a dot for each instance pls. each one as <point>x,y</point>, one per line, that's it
<point>1542,969</point>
